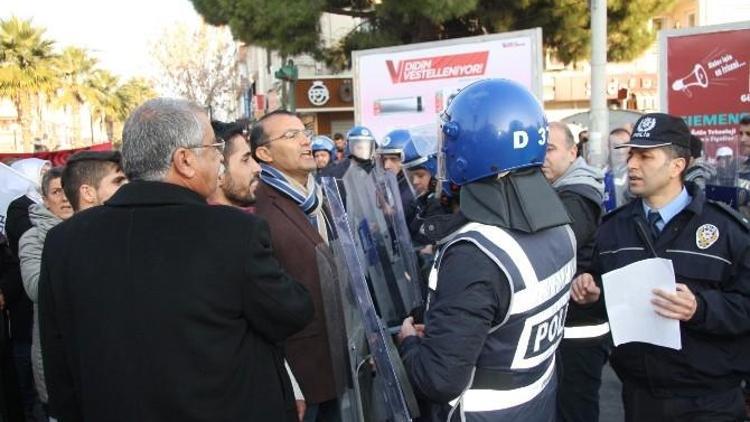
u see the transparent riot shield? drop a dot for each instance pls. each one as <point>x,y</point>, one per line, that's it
<point>333,299</point>
<point>729,173</point>
<point>386,396</point>
<point>402,257</point>
<point>383,243</point>
<point>616,193</point>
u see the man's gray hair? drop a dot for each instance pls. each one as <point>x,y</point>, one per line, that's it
<point>570,141</point>
<point>154,131</point>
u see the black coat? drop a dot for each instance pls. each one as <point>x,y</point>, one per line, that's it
<point>20,307</point>
<point>716,340</point>
<point>158,307</point>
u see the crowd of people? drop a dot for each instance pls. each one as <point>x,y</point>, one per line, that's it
<point>180,278</point>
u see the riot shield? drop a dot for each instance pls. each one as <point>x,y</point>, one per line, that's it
<point>333,309</point>
<point>403,256</point>
<point>729,182</point>
<point>387,396</point>
<point>383,243</point>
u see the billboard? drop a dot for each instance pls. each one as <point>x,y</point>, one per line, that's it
<point>406,87</point>
<point>705,78</point>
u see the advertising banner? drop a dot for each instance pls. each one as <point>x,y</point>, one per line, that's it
<point>58,158</point>
<point>406,87</point>
<point>705,78</point>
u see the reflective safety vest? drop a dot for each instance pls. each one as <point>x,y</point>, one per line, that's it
<point>517,362</point>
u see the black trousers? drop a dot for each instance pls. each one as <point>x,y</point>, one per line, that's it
<point>581,363</point>
<point>713,406</point>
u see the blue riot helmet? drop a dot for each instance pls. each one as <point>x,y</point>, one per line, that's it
<point>420,151</point>
<point>360,143</point>
<point>323,143</point>
<point>492,126</point>
<point>428,163</point>
<point>395,142</point>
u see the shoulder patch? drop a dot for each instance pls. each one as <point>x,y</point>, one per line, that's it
<point>743,221</point>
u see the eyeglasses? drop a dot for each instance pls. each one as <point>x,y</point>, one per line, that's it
<point>219,144</point>
<point>292,134</point>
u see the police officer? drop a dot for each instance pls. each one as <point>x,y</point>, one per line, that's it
<point>360,150</point>
<point>709,247</point>
<point>324,151</point>
<point>499,287</point>
<point>391,155</point>
<point>421,171</point>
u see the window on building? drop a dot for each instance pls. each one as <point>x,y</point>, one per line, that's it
<point>657,24</point>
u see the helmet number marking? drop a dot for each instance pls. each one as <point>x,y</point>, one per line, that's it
<point>543,133</point>
<point>520,139</point>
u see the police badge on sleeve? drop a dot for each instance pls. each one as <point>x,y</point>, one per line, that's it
<point>706,235</point>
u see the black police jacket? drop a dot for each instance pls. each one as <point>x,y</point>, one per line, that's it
<point>708,244</point>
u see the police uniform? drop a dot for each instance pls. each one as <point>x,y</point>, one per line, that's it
<point>500,286</point>
<point>709,247</point>
<point>514,375</point>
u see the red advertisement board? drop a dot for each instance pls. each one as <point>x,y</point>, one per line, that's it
<point>708,83</point>
<point>58,158</point>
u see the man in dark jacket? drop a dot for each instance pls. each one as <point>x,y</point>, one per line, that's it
<point>709,247</point>
<point>289,198</point>
<point>584,348</point>
<point>156,306</point>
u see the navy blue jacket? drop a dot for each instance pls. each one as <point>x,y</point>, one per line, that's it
<point>716,341</point>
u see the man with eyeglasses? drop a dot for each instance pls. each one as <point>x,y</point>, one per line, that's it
<point>289,198</point>
<point>157,306</point>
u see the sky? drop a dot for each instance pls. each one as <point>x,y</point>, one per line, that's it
<point>119,33</point>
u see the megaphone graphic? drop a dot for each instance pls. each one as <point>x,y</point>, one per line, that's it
<point>698,77</point>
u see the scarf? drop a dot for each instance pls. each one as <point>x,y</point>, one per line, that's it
<point>308,199</point>
<point>580,173</point>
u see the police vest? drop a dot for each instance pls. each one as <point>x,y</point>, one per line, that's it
<point>517,360</point>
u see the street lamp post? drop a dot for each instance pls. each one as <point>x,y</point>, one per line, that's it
<point>598,148</point>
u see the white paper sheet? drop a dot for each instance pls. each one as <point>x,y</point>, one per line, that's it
<point>632,316</point>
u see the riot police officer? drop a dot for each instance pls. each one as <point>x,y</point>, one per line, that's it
<point>499,287</point>
<point>324,152</point>
<point>421,171</point>
<point>360,150</point>
<point>709,247</point>
<point>391,155</point>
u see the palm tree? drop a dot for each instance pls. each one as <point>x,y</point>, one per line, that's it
<point>25,69</point>
<point>109,100</point>
<point>135,92</point>
<point>75,68</point>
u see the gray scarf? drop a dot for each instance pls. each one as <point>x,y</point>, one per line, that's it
<point>580,173</point>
